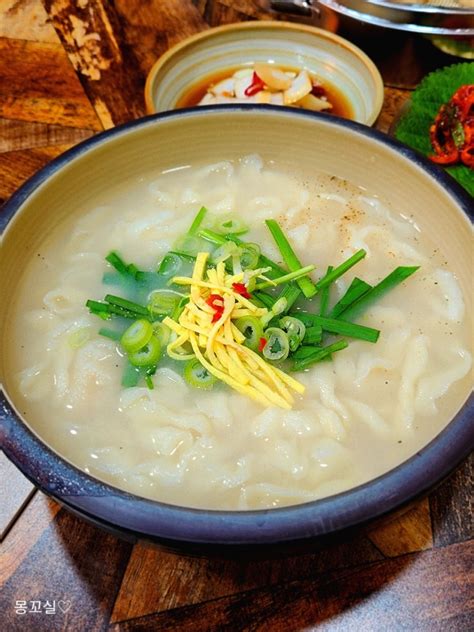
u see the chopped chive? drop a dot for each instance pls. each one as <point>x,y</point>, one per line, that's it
<point>341,327</point>
<point>105,310</point>
<point>389,282</point>
<point>129,269</point>
<point>319,355</point>
<point>128,305</point>
<point>325,293</point>
<point>289,257</point>
<point>313,335</point>
<point>356,289</point>
<point>266,300</point>
<point>341,269</point>
<point>291,292</point>
<point>291,276</point>
<point>110,333</point>
<point>149,382</point>
<point>304,351</point>
<point>178,310</point>
<point>197,221</point>
<point>130,376</point>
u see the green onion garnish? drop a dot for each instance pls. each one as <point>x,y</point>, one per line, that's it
<point>291,276</point>
<point>330,277</point>
<point>356,289</point>
<point>112,334</point>
<point>393,279</point>
<point>325,293</point>
<point>313,335</point>
<point>125,304</point>
<point>318,355</point>
<point>342,327</point>
<point>289,257</point>
<point>197,375</point>
<point>197,221</point>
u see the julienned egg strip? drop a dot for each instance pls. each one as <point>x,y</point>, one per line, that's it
<point>218,346</point>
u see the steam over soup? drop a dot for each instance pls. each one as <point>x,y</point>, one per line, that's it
<point>356,412</point>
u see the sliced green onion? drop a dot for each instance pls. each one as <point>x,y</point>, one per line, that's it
<point>230,224</point>
<point>278,346</point>
<point>179,307</point>
<point>389,282</point>
<point>250,255</point>
<point>147,355</point>
<point>162,332</point>
<point>340,270</point>
<point>325,293</point>
<point>149,382</point>
<point>291,276</point>
<point>197,221</point>
<point>263,261</point>
<point>319,355</point>
<point>341,327</point>
<point>163,302</point>
<point>130,376</point>
<point>112,334</point>
<point>125,304</point>
<point>291,292</point>
<point>252,329</point>
<point>356,289</point>
<point>173,262</point>
<point>190,245</point>
<point>79,337</point>
<point>313,335</point>
<point>278,308</point>
<point>136,336</point>
<point>289,257</point>
<point>224,252</point>
<point>295,330</point>
<point>198,376</point>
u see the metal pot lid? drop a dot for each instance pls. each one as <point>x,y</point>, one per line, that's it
<point>430,17</point>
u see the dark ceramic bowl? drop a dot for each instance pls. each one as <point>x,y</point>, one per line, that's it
<point>345,149</point>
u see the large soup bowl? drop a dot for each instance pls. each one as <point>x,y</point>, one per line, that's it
<point>289,138</point>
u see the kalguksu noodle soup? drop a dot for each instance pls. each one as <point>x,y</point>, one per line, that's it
<point>365,409</point>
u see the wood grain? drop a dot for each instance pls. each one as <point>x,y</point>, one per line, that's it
<point>183,580</point>
<point>426,592</point>
<point>452,506</point>
<point>16,135</point>
<point>15,491</point>
<point>15,548</point>
<point>25,19</point>
<point>18,166</point>
<point>405,534</point>
<point>37,83</point>
<point>71,562</point>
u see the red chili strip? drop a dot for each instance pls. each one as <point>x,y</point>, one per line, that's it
<point>241,289</point>
<point>216,301</point>
<point>256,85</point>
<point>262,343</point>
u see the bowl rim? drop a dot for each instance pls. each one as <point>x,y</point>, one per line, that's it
<point>147,518</point>
<point>377,101</point>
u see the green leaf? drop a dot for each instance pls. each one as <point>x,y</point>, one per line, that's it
<point>436,88</point>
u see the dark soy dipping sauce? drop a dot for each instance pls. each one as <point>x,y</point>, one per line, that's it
<point>191,97</point>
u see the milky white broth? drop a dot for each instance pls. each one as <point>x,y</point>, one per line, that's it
<point>364,412</point>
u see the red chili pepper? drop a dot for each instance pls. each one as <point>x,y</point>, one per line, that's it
<point>217,303</point>
<point>318,91</point>
<point>262,343</point>
<point>241,289</point>
<point>256,85</point>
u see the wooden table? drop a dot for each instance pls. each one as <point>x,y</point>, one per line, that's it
<point>67,70</point>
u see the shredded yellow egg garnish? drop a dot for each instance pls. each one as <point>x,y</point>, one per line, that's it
<point>219,345</point>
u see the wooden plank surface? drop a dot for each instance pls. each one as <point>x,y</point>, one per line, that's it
<point>68,69</point>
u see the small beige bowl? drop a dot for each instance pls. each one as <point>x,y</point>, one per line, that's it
<point>335,60</point>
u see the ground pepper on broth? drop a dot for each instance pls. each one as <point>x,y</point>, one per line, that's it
<point>217,448</point>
